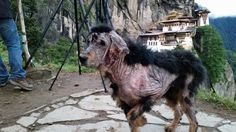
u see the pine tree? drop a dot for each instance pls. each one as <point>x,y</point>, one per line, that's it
<point>212,52</point>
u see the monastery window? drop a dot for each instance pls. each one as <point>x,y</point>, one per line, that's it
<point>162,39</point>
<point>204,21</point>
<point>169,28</point>
<point>181,37</point>
<point>170,38</point>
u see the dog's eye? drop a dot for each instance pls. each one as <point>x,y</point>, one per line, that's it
<point>102,43</point>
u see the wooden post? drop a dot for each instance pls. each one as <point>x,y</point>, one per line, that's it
<point>23,31</point>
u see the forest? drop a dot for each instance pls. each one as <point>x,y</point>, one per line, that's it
<point>226,27</point>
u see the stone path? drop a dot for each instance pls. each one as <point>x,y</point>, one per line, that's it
<point>92,111</point>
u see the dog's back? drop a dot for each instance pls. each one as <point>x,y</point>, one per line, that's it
<point>181,63</point>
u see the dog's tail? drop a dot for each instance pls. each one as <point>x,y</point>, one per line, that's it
<point>194,66</point>
<point>199,75</point>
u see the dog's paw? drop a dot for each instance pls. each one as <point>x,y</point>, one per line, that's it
<point>140,121</point>
<point>169,128</point>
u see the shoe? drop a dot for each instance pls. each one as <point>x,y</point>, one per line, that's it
<point>3,84</point>
<point>22,83</point>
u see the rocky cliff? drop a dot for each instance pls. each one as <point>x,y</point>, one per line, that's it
<point>135,16</point>
<point>132,16</point>
<point>226,86</point>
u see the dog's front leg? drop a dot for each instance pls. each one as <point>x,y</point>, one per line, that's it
<point>135,118</point>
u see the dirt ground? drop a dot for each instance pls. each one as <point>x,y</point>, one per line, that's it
<point>14,103</point>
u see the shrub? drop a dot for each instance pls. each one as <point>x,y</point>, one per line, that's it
<point>212,54</point>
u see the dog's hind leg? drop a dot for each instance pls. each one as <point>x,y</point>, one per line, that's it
<point>177,115</point>
<point>187,106</point>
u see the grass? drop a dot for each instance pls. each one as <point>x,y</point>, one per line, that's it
<point>68,68</point>
<point>216,99</point>
<point>3,52</point>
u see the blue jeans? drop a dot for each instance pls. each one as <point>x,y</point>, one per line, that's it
<point>9,34</point>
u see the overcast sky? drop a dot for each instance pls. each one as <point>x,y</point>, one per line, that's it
<point>219,8</point>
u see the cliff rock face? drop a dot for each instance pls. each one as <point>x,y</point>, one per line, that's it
<point>63,23</point>
<point>226,86</point>
<point>134,16</point>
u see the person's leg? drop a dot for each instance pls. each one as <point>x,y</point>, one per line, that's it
<point>3,74</point>
<point>3,71</point>
<point>12,41</point>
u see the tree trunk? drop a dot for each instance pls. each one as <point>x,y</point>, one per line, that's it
<point>23,31</point>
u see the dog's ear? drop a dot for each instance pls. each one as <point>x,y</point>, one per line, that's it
<point>119,42</point>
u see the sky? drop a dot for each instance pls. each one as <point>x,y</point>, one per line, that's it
<point>219,8</point>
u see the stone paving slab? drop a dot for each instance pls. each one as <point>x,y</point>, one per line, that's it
<point>87,112</point>
<point>105,126</point>
<point>228,127</point>
<point>58,128</point>
<point>85,93</point>
<point>59,100</point>
<point>35,114</point>
<point>100,102</point>
<point>71,102</point>
<point>15,128</point>
<point>160,128</point>
<point>150,118</point>
<point>26,121</point>
<point>66,113</point>
<point>205,119</point>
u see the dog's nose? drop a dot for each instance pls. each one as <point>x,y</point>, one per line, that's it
<point>83,59</point>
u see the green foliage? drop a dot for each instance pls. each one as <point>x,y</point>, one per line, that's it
<point>3,52</point>
<point>68,68</point>
<point>216,99</point>
<point>54,53</point>
<point>33,29</point>
<point>213,54</point>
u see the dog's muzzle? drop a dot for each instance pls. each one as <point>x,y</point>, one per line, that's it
<point>83,59</point>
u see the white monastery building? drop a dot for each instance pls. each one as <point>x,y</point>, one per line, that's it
<point>176,30</point>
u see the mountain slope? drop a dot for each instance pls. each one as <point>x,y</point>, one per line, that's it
<point>226,26</point>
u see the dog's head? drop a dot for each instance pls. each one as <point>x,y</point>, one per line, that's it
<point>104,47</point>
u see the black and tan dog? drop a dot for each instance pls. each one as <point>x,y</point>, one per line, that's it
<point>140,77</point>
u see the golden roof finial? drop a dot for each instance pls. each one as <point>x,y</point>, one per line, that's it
<point>173,15</point>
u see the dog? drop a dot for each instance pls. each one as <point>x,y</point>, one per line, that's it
<point>140,77</point>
